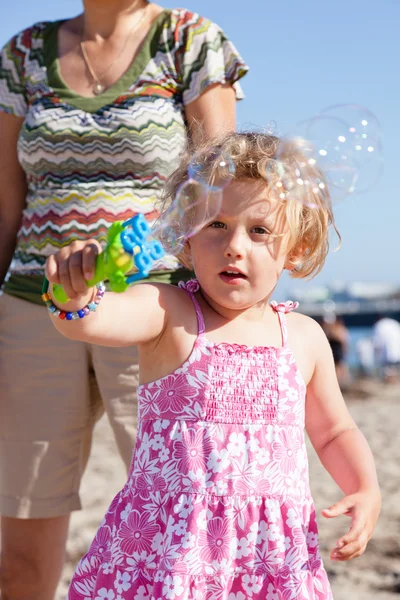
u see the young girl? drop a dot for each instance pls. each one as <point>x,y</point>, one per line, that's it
<point>217,504</point>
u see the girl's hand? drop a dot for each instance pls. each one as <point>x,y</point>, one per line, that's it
<point>72,266</point>
<point>363,508</point>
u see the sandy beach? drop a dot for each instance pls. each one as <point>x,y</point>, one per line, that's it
<point>376,575</point>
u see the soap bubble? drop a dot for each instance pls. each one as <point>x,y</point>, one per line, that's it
<point>340,148</point>
<point>197,201</point>
<point>213,169</point>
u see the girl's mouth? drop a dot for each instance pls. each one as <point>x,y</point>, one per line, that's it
<point>232,277</point>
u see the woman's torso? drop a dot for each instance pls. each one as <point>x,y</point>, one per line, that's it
<point>91,161</point>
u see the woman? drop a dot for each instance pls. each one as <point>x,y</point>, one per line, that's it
<point>95,111</point>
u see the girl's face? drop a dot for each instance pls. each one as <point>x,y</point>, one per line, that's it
<point>239,257</point>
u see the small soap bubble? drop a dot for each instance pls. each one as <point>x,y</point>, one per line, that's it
<point>213,170</point>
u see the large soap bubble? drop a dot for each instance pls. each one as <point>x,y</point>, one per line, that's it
<point>340,148</point>
<point>197,201</point>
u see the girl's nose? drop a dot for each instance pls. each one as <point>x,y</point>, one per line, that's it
<point>235,246</point>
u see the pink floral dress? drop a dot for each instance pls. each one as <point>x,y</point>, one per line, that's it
<point>217,505</point>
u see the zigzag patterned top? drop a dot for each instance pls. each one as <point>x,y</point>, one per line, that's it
<point>90,161</point>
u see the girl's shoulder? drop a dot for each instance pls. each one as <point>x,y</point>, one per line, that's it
<point>304,324</point>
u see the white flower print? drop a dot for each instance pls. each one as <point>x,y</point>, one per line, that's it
<point>197,481</point>
<point>272,510</point>
<point>273,532</point>
<point>258,532</point>
<point>238,596</point>
<point>142,593</point>
<point>292,519</point>
<point>156,507</point>
<point>163,455</point>
<point>160,424</point>
<point>312,539</point>
<point>157,441</point>
<point>283,365</point>
<point>221,487</point>
<point>180,527</point>
<point>237,443</point>
<point>126,511</point>
<point>104,594</point>
<point>251,584</point>
<point>107,568</point>
<point>271,595</point>
<point>218,460</point>
<point>253,444</point>
<point>201,520</point>
<point>138,562</point>
<point>292,394</point>
<point>188,540</point>
<point>270,433</point>
<point>283,384</point>
<point>184,506</point>
<point>263,456</point>
<point>122,582</point>
<point>240,547</point>
<point>172,586</point>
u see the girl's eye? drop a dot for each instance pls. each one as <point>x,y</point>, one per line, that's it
<point>217,224</point>
<point>260,230</point>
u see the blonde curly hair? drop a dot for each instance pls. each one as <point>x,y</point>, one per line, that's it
<point>308,211</point>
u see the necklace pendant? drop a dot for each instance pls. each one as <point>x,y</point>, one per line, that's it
<point>98,88</point>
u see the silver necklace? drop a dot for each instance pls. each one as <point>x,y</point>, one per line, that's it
<point>98,87</point>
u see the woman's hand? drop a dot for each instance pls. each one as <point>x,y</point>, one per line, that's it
<point>363,508</point>
<point>73,266</point>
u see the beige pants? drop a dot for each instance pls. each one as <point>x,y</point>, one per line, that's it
<point>52,391</point>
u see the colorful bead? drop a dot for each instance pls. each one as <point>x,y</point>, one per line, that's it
<point>73,316</point>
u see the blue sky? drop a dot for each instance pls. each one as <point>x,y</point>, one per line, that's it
<point>305,55</point>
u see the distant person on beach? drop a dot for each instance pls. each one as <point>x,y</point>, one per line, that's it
<point>338,338</point>
<point>366,357</point>
<point>217,503</point>
<point>386,339</point>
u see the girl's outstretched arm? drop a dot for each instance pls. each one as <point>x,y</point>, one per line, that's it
<point>343,450</point>
<point>136,316</point>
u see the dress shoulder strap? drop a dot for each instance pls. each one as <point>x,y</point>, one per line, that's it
<point>281,309</point>
<point>191,287</point>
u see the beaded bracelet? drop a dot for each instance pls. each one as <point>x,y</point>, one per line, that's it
<point>71,316</point>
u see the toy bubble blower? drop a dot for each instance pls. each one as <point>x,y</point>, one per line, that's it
<point>128,249</point>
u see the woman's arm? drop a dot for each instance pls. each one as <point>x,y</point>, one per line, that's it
<point>342,449</point>
<point>213,113</point>
<point>12,189</point>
